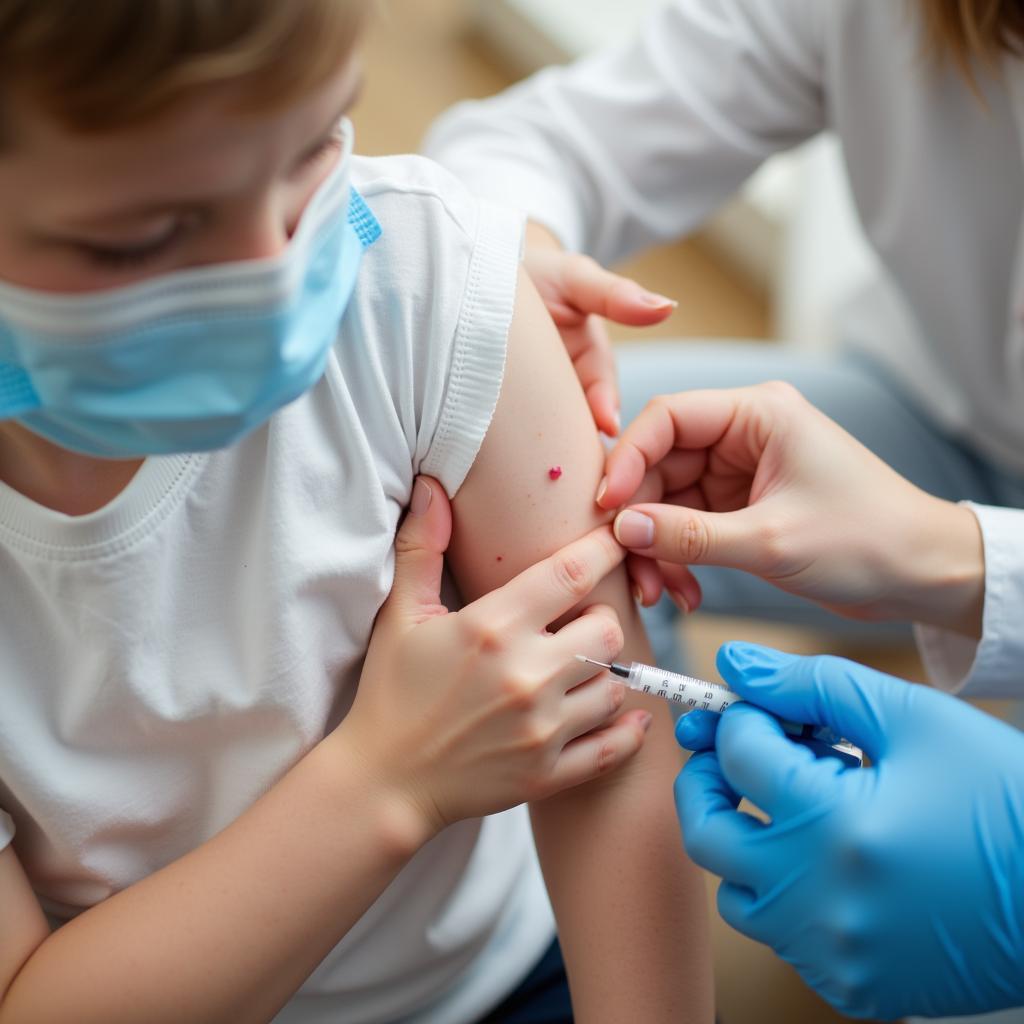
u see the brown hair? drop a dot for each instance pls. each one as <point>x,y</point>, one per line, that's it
<point>973,32</point>
<point>97,64</point>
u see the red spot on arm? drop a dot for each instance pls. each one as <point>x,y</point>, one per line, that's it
<point>555,472</point>
<point>500,558</point>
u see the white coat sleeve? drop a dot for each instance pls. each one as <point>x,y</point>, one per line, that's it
<point>640,143</point>
<point>993,667</point>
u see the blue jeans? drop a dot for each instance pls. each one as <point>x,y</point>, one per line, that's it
<point>542,998</point>
<point>854,393</point>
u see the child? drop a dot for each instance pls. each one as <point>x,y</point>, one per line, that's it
<point>239,791</point>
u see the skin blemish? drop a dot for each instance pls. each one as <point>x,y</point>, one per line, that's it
<point>500,558</point>
<point>554,472</point>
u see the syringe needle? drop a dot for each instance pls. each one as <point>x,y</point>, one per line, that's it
<point>590,661</point>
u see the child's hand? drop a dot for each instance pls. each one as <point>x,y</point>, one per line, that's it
<point>467,713</point>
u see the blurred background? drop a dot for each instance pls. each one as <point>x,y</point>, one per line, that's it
<point>775,264</point>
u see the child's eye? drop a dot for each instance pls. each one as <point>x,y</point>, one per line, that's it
<point>332,144</point>
<point>121,256</point>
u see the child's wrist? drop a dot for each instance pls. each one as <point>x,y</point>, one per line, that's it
<point>399,821</point>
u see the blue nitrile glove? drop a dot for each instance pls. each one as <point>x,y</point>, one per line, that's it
<point>895,889</point>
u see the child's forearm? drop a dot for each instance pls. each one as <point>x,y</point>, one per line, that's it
<point>231,930</point>
<point>631,908</point>
<point>632,913</point>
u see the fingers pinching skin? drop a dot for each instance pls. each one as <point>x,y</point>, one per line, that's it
<point>687,536</point>
<point>692,421</point>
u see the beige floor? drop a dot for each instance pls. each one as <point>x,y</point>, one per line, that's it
<point>420,59</point>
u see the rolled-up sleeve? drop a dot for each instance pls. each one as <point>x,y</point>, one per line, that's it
<point>993,666</point>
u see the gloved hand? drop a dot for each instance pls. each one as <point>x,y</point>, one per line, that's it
<point>895,889</point>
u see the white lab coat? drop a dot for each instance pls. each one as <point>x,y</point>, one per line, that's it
<point>642,142</point>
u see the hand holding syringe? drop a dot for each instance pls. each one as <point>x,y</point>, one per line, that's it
<point>692,694</point>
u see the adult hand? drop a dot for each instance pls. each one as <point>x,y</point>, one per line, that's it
<point>468,713</point>
<point>893,889</point>
<point>578,293</point>
<point>758,479</point>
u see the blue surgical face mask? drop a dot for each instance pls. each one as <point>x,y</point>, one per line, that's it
<point>192,360</point>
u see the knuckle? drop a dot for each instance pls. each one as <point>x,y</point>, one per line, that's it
<point>612,638</point>
<point>658,404</point>
<point>606,757</point>
<point>691,541</point>
<point>583,265</point>
<point>574,575</point>
<point>859,844</point>
<point>773,538</point>
<point>520,691</point>
<point>854,989</point>
<point>483,635</point>
<point>783,391</point>
<point>538,736</point>
<point>616,696</point>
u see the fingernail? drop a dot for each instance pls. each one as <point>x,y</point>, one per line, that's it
<point>638,594</point>
<point>645,722</point>
<point>602,487</point>
<point>422,495</point>
<point>679,601</point>
<point>658,301</point>
<point>634,530</point>
<point>618,423</point>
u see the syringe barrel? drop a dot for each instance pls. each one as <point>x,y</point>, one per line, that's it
<point>685,692</point>
<point>691,694</point>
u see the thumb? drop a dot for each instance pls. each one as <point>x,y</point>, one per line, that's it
<point>420,545</point>
<point>856,702</point>
<point>689,536</point>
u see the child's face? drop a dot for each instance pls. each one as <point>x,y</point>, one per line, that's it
<point>201,184</point>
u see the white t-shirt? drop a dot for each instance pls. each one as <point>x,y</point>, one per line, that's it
<point>166,659</point>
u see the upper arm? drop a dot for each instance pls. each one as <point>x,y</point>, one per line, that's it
<point>510,513</point>
<point>22,924</point>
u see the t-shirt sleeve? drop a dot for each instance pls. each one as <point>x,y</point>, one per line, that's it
<point>457,425</point>
<point>993,666</point>
<point>6,830</point>
<point>438,297</point>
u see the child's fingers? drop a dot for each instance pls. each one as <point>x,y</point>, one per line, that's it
<point>600,752</point>
<point>596,634</point>
<point>544,592</point>
<point>591,705</point>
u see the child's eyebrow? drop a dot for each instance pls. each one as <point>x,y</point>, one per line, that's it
<point>151,210</point>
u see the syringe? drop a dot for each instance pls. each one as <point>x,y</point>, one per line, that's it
<point>692,694</point>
